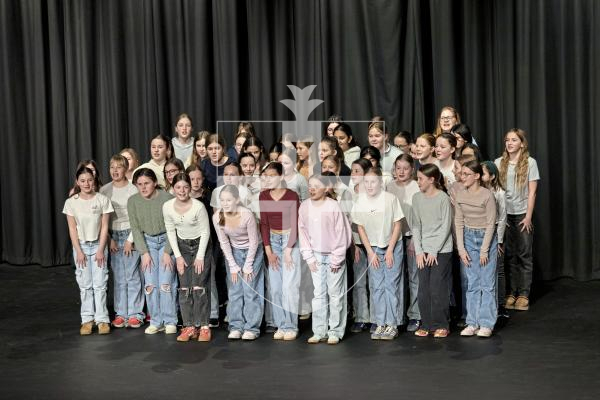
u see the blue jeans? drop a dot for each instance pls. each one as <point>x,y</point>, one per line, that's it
<point>128,298</point>
<point>413,283</point>
<point>246,299</point>
<point>92,281</point>
<point>329,302</point>
<point>285,285</point>
<point>383,283</point>
<point>481,297</point>
<point>360,296</point>
<point>160,284</point>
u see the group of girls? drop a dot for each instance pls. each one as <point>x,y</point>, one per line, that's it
<point>303,227</point>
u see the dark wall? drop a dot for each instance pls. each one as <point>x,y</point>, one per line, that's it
<point>83,79</point>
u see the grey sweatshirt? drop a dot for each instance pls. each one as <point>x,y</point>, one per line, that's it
<point>431,223</point>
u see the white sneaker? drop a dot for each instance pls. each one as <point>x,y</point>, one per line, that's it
<point>249,336</point>
<point>470,330</point>
<point>171,329</point>
<point>278,335</point>
<point>378,332</point>
<point>484,332</point>
<point>290,335</point>
<point>333,339</point>
<point>234,335</point>
<point>316,339</point>
<point>151,330</point>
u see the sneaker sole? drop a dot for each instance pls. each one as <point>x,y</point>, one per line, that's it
<point>155,332</point>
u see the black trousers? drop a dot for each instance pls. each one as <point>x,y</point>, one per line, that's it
<point>518,262</point>
<point>194,289</point>
<point>434,293</point>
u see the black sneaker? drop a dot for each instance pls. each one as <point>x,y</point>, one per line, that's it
<point>213,323</point>
<point>358,327</point>
<point>461,324</point>
<point>413,325</point>
<point>270,329</point>
<point>373,328</point>
<point>503,313</point>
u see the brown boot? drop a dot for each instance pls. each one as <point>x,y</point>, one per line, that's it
<point>103,328</point>
<point>522,303</point>
<point>510,302</point>
<point>86,328</point>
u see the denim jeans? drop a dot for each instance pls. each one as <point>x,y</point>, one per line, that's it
<point>413,282</point>
<point>306,288</point>
<point>160,284</point>
<point>194,288</point>
<point>285,285</point>
<point>214,293</point>
<point>482,306</point>
<point>360,295</point>
<point>128,297</point>
<point>329,302</point>
<point>269,321</point>
<point>519,257</point>
<point>383,283</point>
<point>92,281</point>
<point>246,299</point>
<point>434,293</point>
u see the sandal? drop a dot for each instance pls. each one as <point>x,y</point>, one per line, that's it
<point>421,333</point>
<point>441,333</point>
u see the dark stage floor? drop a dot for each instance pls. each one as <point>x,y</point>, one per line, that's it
<point>550,352</point>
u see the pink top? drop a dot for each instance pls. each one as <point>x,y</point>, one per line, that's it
<point>243,236</point>
<point>324,229</point>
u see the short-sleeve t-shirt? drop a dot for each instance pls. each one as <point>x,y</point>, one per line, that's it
<point>377,215</point>
<point>516,198</point>
<point>88,214</point>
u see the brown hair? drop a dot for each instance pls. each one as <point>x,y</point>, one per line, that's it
<point>235,193</point>
<point>432,171</point>
<point>522,167</point>
<point>438,129</point>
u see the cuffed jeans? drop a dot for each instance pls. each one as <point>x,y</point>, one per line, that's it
<point>194,288</point>
<point>519,257</point>
<point>92,280</point>
<point>329,302</point>
<point>246,299</point>
<point>413,282</point>
<point>285,285</point>
<point>383,283</point>
<point>434,293</point>
<point>360,295</point>
<point>128,297</point>
<point>482,306</point>
<point>160,284</point>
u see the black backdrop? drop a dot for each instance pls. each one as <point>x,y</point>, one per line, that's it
<point>82,79</point>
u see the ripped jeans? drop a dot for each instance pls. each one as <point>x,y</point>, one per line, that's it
<point>160,284</point>
<point>194,288</point>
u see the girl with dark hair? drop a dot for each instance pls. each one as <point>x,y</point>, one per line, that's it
<point>145,211</point>
<point>323,244</point>
<point>475,221</point>
<point>404,188</point>
<point>332,122</point>
<point>372,154</point>
<point>445,150</point>
<point>470,149</point>
<point>329,147</point>
<point>160,151</point>
<point>173,167</point>
<point>255,147</point>
<point>431,232</point>
<point>240,241</point>
<point>238,141</point>
<point>343,134</point>
<point>216,162</point>
<point>279,230</point>
<point>403,140</point>
<point>378,214</point>
<point>462,133</point>
<point>490,179</point>
<point>124,258</point>
<point>92,166</point>
<point>88,216</point>
<point>188,231</point>
<point>198,190</point>
<point>306,158</point>
<point>275,150</point>
<point>183,143</point>
<point>519,175</point>
<point>199,152</point>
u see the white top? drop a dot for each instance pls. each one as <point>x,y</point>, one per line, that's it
<point>516,199</point>
<point>157,168</point>
<point>405,195</point>
<point>119,221</point>
<point>193,224</point>
<point>351,155</point>
<point>388,157</point>
<point>448,174</point>
<point>377,215</point>
<point>183,151</point>
<point>299,185</point>
<point>88,214</point>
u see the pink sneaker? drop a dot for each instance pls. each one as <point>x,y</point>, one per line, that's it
<point>133,322</point>
<point>118,322</point>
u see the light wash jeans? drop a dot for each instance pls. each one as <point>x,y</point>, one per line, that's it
<point>92,281</point>
<point>329,302</point>
<point>383,283</point>
<point>482,306</point>
<point>160,284</point>
<point>246,299</point>
<point>128,298</point>
<point>285,285</point>
<point>360,295</point>
<point>413,283</point>
<point>269,321</point>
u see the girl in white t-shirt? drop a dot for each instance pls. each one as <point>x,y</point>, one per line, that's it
<point>377,214</point>
<point>445,150</point>
<point>88,216</point>
<point>161,150</point>
<point>519,175</point>
<point>124,258</point>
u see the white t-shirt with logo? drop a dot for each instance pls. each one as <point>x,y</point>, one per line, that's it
<point>88,214</point>
<point>377,215</point>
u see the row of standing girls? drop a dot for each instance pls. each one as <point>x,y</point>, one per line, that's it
<point>384,234</point>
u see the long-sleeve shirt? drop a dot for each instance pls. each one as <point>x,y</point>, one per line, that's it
<point>243,236</point>
<point>146,216</point>
<point>279,215</point>
<point>324,229</point>
<point>500,196</point>
<point>431,223</point>
<point>475,210</point>
<point>157,168</point>
<point>192,224</point>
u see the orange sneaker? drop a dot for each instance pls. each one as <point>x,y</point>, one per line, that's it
<point>205,335</point>
<point>441,333</point>
<point>187,333</point>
